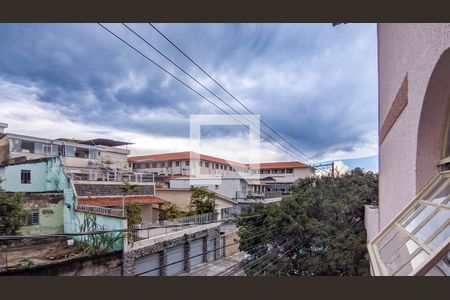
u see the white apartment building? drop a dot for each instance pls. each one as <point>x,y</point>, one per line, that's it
<point>193,164</point>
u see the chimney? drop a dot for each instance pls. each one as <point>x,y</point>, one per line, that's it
<point>3,126</point>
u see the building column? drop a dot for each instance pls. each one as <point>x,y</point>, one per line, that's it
<point>187,254</point>
<point>163,262</point>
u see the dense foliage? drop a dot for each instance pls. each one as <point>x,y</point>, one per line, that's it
<point>172,211</point>
<point>12,215</point>
<point>319,230</point>
<point>202,201</point>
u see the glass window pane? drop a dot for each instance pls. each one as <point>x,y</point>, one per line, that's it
<point>439,239</point>
<point>433,224</point>
<point>391,245</point>
<point>435,272</point>
<point>419,218</point>
<point>412,264</point>
<point>444,265</point>
<point>442,194</point>
<point>400,256</point>
<point>69,151</point>
<point>411,214</point>
<point>16,145</point>
<point>436,187</point>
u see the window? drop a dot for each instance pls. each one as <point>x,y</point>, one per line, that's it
<point>153,165</point>
<point>162,164</point>
<point>32,217</point>
<point>69,151</point>
<point>416,241</point>
<point>27,147</point>
<point>93,153</point>
<point>221,167</point>
<point>16,145</point>
<point>177,163</point>
<point>217,166</point>
<point>186,163</point>
<point>170,164</point>
<point>289,171</point>
<point>25,176</point>
<point>274,171</point>
<point>281,171</point>
<point>81,152</point>
<point>200,163</point>
<point>206,164</point>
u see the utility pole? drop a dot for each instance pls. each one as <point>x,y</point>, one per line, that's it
<point>332,169</point>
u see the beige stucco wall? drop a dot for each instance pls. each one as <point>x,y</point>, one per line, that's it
<point>412,49</point>
<point>180,197</point>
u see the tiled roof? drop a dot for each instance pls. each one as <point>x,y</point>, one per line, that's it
<point>186,155</point>
<point>117,201</point>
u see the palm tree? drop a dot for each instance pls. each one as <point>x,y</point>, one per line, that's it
<point>127,189</point>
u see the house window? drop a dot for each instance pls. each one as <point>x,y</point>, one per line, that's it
<point>289,171</point>
<point>281,171</point>
<point>274,171</point>
<point>81,152</point>
<point>201,163</point>
<point>221,167</point>
<point>153,165</point>
<point>170,164</point>
<point>27,147</point>
<point>416,242</point>
<point>186,163</point>
<point>93,153</point>
<point>16,145</point>
<point>69,151</point>
<point>217,166</point>
<point>177,163</point>
<point>25,176</point>
<point>32,217</point>
<point>206,164</point>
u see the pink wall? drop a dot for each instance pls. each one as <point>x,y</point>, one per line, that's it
<point>412,49</point>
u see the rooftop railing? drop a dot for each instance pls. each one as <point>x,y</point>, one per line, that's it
<point>100,210</point>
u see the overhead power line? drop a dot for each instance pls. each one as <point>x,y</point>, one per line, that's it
<point>189,87</point>
<point>199,83</point>
<point>228,92</point>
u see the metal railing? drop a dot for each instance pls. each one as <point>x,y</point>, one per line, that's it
<point>230,212</point>
<point>100,210</point>
<point>261,195</point>
<point>185,222</point>
<point>99,174</point>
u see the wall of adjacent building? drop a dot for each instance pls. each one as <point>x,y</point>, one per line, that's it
<point>410,50</point>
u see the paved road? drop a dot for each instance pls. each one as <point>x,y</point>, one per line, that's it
<point>216,268</point>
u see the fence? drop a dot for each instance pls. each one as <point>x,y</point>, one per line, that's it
<point>189,221</point>
<point>100,210</point>
<point>230,212</point>
<point>99,174</point>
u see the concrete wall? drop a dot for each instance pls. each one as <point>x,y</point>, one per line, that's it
<point>227,186</point>
<point>412,50</point>
<point>97,265</point>
<point>50,207</point>
<point>180,197</point>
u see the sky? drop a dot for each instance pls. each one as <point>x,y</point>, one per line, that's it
<point>314,84</point>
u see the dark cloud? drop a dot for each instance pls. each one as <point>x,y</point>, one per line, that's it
<point>315,84</point>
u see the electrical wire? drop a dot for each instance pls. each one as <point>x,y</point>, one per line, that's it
<point>226,91</point>
<point>189,87</point>
<point>199,83</point>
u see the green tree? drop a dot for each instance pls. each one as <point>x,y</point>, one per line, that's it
<point>202,201</point>
<point>12,215</point>
<point>172,211</point>
<point>133,214</point>
<point>319,230</point>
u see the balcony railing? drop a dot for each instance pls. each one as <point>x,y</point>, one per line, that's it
<point>98,174</point>
<point>262,195</point>
<point>100,210</point>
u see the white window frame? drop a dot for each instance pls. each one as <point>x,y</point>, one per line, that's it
<point>434,256</point>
